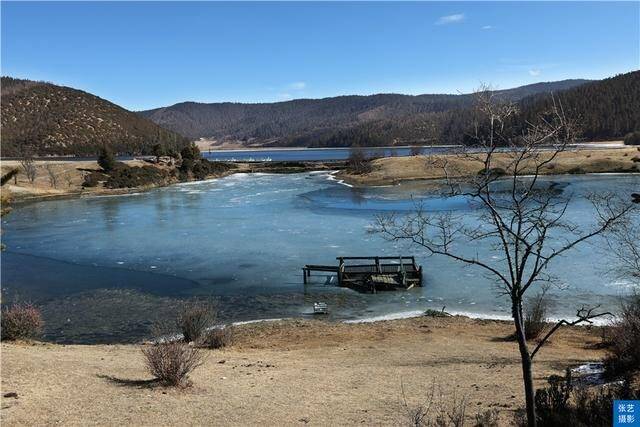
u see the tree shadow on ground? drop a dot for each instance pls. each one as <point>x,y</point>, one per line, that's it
<point>125,382</point>
<point>507,338</point>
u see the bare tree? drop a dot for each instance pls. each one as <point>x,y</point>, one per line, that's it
<point>520,217</point>
<point>52,175</point>
<point>68,177</point>
<point>29,167</point>
<point>623,243</point>
<point>358,160</point>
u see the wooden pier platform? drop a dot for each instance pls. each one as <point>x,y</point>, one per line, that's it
<point>378,274</point>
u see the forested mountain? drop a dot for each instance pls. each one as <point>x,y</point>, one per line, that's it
<point>344,120</point>
<point>48,119</point>
<point>605,109</point>
<point>52,119</point>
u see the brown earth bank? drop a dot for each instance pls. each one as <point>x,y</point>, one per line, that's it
<point>391,170</point>
<point>292,372</point>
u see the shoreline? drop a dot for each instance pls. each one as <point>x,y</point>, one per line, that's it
<point>385,171</point>
<point>29,193</point>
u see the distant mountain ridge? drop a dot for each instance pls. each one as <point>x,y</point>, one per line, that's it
<point>48,119</point>
<point>57,120</point>
<point>297,122</point>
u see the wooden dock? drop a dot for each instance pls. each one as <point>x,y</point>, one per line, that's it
<point>378,274</point>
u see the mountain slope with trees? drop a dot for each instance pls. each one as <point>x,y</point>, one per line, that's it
<point>344,120</point>
<point>46,119</point>
<point>605,109</point>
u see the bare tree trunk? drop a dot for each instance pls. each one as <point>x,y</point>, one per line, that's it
<point>525,357</point>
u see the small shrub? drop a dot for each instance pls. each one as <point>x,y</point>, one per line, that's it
<point>172,362</point>
<point>436,313</point>
<point>488,418</point>
<point>563,404</point>
<point>21,321</point>
<point>93,179</point>
<point>576,171</point>
<point>194,319</point>
<point>217,338</point>
<point>454,415</point>
<point>535,316</point>
<point>555,398</point>
<point>632,138</point>
<point>106,159</point>
<point>623,357</point>
<point>434,413</point>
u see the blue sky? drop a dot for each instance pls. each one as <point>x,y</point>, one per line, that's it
<point>145,55</point>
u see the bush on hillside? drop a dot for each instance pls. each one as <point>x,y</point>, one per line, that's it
<point>632,138</point>
<point>21,321</point>
<point>172,362</point>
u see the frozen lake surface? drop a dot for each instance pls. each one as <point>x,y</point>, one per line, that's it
<point>104,268</point>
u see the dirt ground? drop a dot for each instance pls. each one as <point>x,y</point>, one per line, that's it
<point>288,373</point>
<point>68,176</point>
<point>391,170</point>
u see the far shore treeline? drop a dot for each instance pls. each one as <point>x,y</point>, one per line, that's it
<point>45,119</point>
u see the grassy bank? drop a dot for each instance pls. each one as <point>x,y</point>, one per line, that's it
<point>391,170</point>
<point>286,373</point>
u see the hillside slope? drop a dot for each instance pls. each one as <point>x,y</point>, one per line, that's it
<point>59,120</point>
<point>605,109</point>
<point>328,121</point>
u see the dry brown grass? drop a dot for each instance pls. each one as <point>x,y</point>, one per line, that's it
<point>69,176</point>
<point>284,372</point>
<point>391,170</point>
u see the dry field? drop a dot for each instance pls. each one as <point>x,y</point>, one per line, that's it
<point>69,176</point>
<point>287,373</point>
<point>391,170</point>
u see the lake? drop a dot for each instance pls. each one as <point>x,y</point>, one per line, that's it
<point>103,269</point>
<point>313,154</point>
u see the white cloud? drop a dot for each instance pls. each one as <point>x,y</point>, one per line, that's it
<point>534,72</point>
<point>285,96</point>
<point>450,19</point>
<point>297,86</point>
<point>487,27</point>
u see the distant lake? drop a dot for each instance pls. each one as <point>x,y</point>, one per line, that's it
<point>105,268</point>
<point>313,154</point>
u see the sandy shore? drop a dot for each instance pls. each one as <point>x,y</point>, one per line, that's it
<point>287,373</point>
<point>391,170</point>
